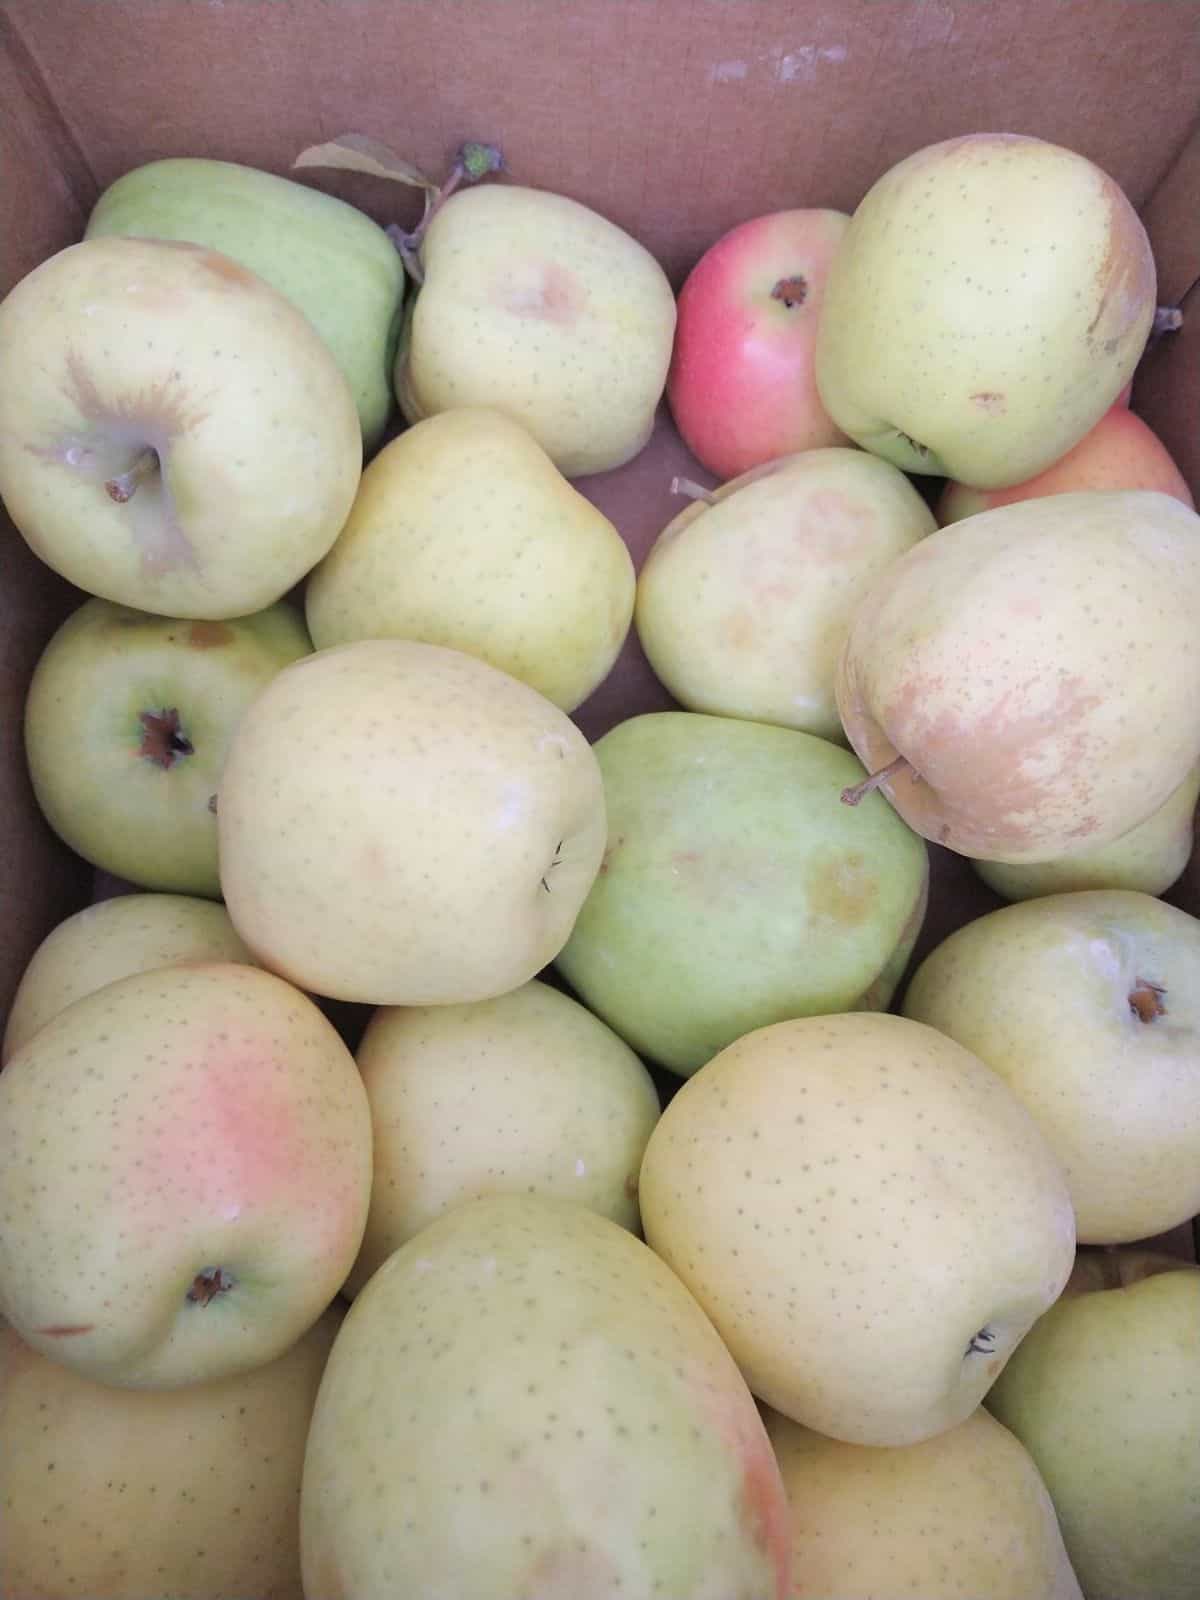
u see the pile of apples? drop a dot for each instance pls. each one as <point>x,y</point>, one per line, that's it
<point>871,1301</point>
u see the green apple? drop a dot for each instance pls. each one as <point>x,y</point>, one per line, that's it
<point>990,299</point>
<point>963,1513</point>
<point>1104,1393</point>
<point>464,533</point>
<point>736,889</point>
<point>328,258</point>
<point>128,720</point>
<point>1088,1006</point>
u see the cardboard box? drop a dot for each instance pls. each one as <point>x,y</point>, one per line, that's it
<point>675,118</point>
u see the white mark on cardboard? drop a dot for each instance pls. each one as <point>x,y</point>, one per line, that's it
<point>801,65</point>
<point>728,71</point>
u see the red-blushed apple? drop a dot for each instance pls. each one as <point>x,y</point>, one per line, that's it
<point>185,1171</point>
<point>740,387</point>
<point>126,1493</point>
<point>1120,452</point>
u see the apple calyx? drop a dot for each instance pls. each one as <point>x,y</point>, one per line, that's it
<point>557,861</point>
<point>163,740</point>
<point>693,490</point>
<point>123,487</point>
<point>982,1343</point>
<point>852,795</point>
<point>208,1283</point>
<point>792,291</point>
<point>1145,1000</point>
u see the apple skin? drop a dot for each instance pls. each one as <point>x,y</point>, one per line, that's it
<point>122,791</point>
<point>125,1493</point>
<point>1120,452</point>
<point>113,939</point>
<point>162,1136</point>
<point>164,356</point>
<point>741,387</point>
<point>1104,1393</point>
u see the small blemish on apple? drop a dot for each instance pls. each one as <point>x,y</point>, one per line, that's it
<point>208,1283</point>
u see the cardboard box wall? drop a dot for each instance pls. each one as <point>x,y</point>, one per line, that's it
<point>675,118</point>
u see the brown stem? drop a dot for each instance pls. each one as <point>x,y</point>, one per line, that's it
<point>474,161</point>
<point>123,487</point>
<point>693,490</point>
<point>855,793</point>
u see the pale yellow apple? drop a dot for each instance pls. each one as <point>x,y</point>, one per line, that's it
<point>400,823</point>
<point>744,600</point>
<point>963,1513</point>
<point>867,1213</point>
<point>991,297</point>
<point>526,1093</point>
<point>113,939</point>
<point>1088,1006</point>
<point>1105,1395</point>
<point>181,439</point>
<point>185,1170</point>
<point>464,533</point>
<point>1150,857</point>
<point>537,304</point>
<point>1025,682</point>
<point>124,1493</point>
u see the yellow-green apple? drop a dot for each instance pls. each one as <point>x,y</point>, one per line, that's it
<point>963,1513</point>
<point>736,889</point>
<point>1088,1006</point>
<point>464,533</point>
<point>744,600</point>
<point>869,1215</point>
<point>400,823</point>
<point>174,434</point>
<point>525,1401</point>
<point>332,261</point>
<point>536,304</point>
<point>740,386</point>
<point>128,718</point>
<point>1105,1395</point>
<point>1150,857</point>
<point>113,939</point>
<point>1120,452</point>
<point>125,1493</point>
<point>525,1093</point>
<point>991,297</point>
<point>1022,685</point>
<point>185,1168</point>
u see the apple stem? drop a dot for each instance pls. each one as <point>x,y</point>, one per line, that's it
<point>855,793</point>
<point>473,161</point>
<point>123,487</point>
<point>693,490</point>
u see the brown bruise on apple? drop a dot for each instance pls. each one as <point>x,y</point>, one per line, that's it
<point>1125,279</point>
<point>544,291</point>
<point>1146,1000</point>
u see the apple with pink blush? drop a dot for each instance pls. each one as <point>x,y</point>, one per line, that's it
<point>740,387</point>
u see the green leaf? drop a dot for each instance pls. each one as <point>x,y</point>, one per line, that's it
<point>357,152</point>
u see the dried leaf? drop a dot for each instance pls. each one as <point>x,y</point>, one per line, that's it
<point>357,152</point>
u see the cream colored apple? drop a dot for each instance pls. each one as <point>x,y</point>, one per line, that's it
<point>744,599</point>
<point>185,1170</point>
<point>114,939</point>
<point>963,1513</point>
<point>126,1493</point>
<point>1105,1396</point>
<point>465,534</point>
<point>1022,685</point>
<point>400,823</point>
<point>868,1214</point>
<point>528,1093</point>
<point>538,305</point>
<point>180,438</point>
<point>991,298</point>
<point>1087,1004</point>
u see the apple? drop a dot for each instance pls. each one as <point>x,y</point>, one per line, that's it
<point>963,1513</point>
<point>740,386</point>
<point>744,599</point>
<point>185,1171</point>
<point>525,1401</point>
<point>539,306</point>
<point>128,719</point>
<point>1022,684</point>
<point>113,939</point>
<point>465,534</point>
<point>992,296</point>
<point>328,258</point>
<point>528,1093</point>
<point>400,823</point>
<point>869,1216</point>
<point>125,1493</point>
<point>1105,1395</point>
<point>1088,1006</point>
<point>180,438</point>
<point>736,889</point>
